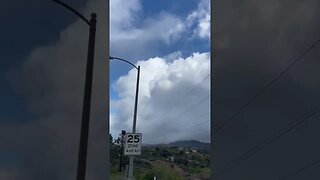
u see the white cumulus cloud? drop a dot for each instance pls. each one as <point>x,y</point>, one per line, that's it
<point>133,35</point>
<point>161,117</point>
<point>200,18</point>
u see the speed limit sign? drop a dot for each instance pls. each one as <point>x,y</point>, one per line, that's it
<point>133,144</point>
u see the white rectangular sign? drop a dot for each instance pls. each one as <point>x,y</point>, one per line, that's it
<point>133,144</point>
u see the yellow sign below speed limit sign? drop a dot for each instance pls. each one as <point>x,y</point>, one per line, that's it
<point>132,144</point>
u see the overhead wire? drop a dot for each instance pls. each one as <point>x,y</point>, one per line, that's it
<point>190,107</point>
<point>268,141</point>
<point>235,115</point>
<point>188,110</point>
<point>189,92</point>
<point>317,162</point>
<point>182,98</point>
<point>196,119</point>
<point>170,108</point>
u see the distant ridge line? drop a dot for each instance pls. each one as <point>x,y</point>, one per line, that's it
<point>182,143</point>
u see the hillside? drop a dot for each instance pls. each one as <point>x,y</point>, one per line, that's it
<point>180,160</point>
<point>186,144</point>
<point>191,144</point>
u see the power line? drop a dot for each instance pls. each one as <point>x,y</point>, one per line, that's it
<point>271,139</point>
<point>265,88</point>
<point>268,141</point>
<point>201,122</point>
<point>189,92</point>
<point>196,119</point>
<point>197,124</point>
<point>191,107</point>
<point>301,169</point>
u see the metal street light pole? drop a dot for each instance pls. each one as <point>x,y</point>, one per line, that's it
<point>131,160</point>
<point>82,156</point>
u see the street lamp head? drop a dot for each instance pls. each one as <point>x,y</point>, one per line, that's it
<point>93,15</point>
<point>110,57</point>
<point>73,10</point>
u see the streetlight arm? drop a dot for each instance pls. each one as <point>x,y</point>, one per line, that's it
<point>84,132</point>
<point>73,10</point>
<point>131,160</point>
<point>124,61</point>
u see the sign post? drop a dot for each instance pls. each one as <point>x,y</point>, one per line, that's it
<point>132,144</point>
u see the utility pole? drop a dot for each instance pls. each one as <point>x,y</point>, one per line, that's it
<point>82,156</point>
<point>131,160</point>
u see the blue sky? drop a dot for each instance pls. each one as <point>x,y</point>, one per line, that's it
<point>169,37</point>
<point>151,10</point>
<point>43,71</point>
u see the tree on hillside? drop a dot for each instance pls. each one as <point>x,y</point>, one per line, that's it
<point>116,151</point>
<point>119,142</point>
<point>113,151</point>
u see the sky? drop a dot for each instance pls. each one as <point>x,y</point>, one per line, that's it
<point>43,67</point>
<point>44,50</point>
<point>42,76</point>
<point>253,42</point>
<point>171,44</point>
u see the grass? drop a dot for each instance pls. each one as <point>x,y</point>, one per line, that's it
<point>117,175</point>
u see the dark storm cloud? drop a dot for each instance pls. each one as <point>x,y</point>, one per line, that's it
<point>253,42</point>
<point>51,78</point>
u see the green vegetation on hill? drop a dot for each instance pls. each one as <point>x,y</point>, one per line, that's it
<point>157,161</point>
<point>159,170</point>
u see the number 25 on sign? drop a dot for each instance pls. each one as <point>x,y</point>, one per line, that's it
<point>133,144</point>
